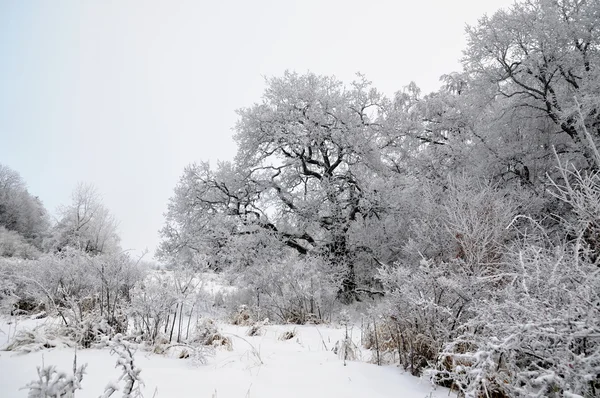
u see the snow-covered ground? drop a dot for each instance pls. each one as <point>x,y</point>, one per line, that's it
<point>259,366</point>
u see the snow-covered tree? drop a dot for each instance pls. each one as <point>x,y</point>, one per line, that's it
<point>542,56</point>
<point>303,176</point>
<point>86,224</point>
<point>19,210</point>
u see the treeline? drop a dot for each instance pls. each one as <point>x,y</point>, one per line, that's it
<point>24,222</point>
<point>473,211</point>
<point>27,231</point>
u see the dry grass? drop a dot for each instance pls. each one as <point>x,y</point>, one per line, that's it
<point>288,335</point>
<point>208,334</point>
<point>242,317</point>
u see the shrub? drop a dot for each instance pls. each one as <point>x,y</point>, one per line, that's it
<point>537,330</point>
<point>293,290</point>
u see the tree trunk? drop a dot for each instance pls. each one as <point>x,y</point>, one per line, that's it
<point>173,325</point>
<point>340,256</point>
<point>347,293</point>
<point>180,319</point>
<point>187,332</point>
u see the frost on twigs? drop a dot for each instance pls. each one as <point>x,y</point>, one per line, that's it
<point>345,348</point>
<point>130,373</point>
<point>52,383</point>
<point>538,332</point>
<point>540,338</point>
<point>199,347</point>
<point>90,331</point>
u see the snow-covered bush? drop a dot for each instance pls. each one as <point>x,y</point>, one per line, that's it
<point>293,290</point>
<point>458,238</point>
<point>166,306</point>
<point>90,294</point>
<point>463,222</point>
<point>13,296</point>
<point>208,334</point>
<point>12,244</point>
<point>40,338</point>
<point>423,307</point>
<point>90,330</point>
<point>152,302</point>
<point>536,333</point>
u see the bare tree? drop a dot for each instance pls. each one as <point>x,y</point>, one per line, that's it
<point>86,224</point>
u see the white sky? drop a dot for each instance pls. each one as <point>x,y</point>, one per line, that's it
<point>124,94</point>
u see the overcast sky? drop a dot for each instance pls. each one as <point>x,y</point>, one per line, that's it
<point>124,94</point>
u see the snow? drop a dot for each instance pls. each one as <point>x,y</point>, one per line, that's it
<point>258,366</point>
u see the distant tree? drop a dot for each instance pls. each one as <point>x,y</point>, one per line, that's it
<point>86,224</point>
<point>19,210</point>
<point>13,244</point>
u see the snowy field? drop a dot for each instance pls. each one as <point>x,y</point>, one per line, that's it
<point>260,366</point>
